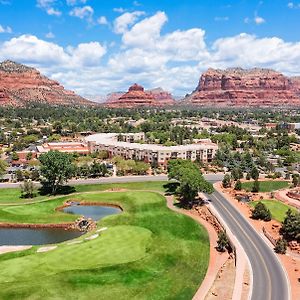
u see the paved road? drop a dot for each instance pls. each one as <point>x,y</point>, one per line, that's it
<point>269,279</point>
<point>210,177</point>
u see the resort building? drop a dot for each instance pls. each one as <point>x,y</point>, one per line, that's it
<point>68,147</point>
<point>124,145</point>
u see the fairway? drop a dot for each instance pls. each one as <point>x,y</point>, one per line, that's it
<point>147,252</point>
<point>266,186</point>
<point>277,208</point>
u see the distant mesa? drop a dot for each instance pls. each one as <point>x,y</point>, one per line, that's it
<point>21,85</point>
<point>138,97</point>
<point>237,87</point>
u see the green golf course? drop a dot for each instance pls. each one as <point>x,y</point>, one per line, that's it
<point>147,252</point>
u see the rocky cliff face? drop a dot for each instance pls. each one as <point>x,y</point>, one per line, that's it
<point>244,88</point>
<point>138,97</point>
<point>20,85</point>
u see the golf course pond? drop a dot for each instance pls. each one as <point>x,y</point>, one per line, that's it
<point>42,236</point>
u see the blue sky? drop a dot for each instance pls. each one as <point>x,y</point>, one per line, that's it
<point>100,46</point>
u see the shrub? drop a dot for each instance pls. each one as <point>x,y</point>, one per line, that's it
<point>226,181</point>
<point>238,185</point>
<point>223,242</point>
<point>261,212</point>
<point>255,187</point>
<point>281,246</point>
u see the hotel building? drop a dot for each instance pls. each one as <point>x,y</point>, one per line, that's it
<point>126,145</point>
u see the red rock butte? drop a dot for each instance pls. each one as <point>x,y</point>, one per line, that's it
<point>245,88</point>
<point>138,97</point>
<point>20,85</point>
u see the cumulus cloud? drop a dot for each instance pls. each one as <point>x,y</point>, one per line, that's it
<point>147,55</point>
<point>50,35</point>
<point>85,12</point>
<point>146,32</point>
<point>32,50</point>
<point>259,20</point>
<point>6,29</point>
<point>102,20</point>
<point>122,23</point>
<point>221,19</point>
<point>293,5</point>
<point>119,10</point>
<point>75,2</point>
<point>48,7</point>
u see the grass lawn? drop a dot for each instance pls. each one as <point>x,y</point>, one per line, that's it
<point>277,208</point>
<point>148,252</point>
<point>13,195</point>
<point>266,186</point>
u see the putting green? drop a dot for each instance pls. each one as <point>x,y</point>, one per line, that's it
<point>147,252</point>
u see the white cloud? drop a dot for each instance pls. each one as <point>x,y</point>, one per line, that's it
<point>293,5</point>
<point>146,32</point>
<point>221,19</point>
<point>48,7</point>
<point>102,20</point>
<point>147,55</point>
<point>259,20</point>
<point>50,35</point>
<point>85,12</point>
<point>119,10</point>
<point>122,22</point>
<point>75,2</point>
<point>53,12</point>
<point>30,49</point>
<point>6,29</point>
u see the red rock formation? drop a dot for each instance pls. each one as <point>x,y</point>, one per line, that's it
<point>137,97</point>
<point>20,85</point>
<point>244,88</point>
<point>162,97</point>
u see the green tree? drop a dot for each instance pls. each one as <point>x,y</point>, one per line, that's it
<point>226,181</point>
<point>238,185</point>
<point>295,180</point>
<point>27,189</point>
<point>254,173</point>
<point>3,167</point>
<point>248,176</point>
<point>191,180</point>
<point>222,242</point>
<point>56,167</point>
<point>281,246</point>
<point>255,187</point>
<point>29,156</point>
<point>261,212</point>
<point>291,225</point>
<point>14,155</point>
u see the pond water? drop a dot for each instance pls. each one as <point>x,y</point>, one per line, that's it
<point>36,236</point>
<point>43,236</point>
<point>95,212</point>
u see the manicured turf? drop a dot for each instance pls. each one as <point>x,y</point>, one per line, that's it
<point>148,252</point>
<point>277,208</point>
<point>13,195</point>
<point>266,186</point>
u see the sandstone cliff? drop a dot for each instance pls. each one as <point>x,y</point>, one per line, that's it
<point>244,88</point>
<point>138,97</point>
<point>20,85</point>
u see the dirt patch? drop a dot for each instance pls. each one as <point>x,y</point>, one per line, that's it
<point>29,225</point>
<point>222,287</point>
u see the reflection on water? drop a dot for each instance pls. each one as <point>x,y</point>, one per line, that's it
<point>95,212</point>
<point>36,236</point>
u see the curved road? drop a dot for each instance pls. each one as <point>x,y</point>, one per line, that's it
<point>269,279</point>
